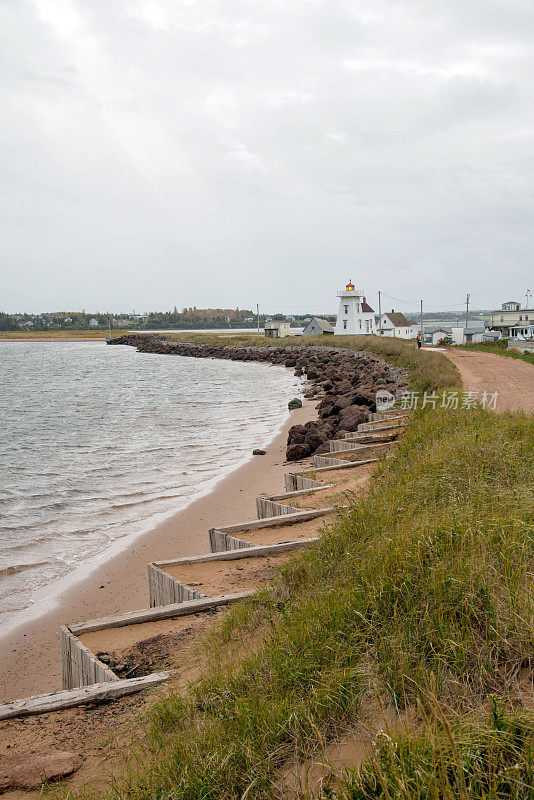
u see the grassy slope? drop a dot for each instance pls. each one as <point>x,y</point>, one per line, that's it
<point>500,348</point>
<point>420,595</point>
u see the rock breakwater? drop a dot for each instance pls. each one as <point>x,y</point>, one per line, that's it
<point>344,381</point>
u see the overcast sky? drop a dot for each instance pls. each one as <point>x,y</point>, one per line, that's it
<point>233,152</point>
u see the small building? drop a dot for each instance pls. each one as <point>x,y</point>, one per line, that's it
<point>471,335</point>
<point>317,327</point>
<point>437,336</point>
<point>93,323</point>
<point>491,336</point>
<point>277,330</point>
<point>510,316</point>
<point>395,324</point>
<point>355,315</point>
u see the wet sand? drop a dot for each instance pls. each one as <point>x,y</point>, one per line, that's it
<point>29,655</point>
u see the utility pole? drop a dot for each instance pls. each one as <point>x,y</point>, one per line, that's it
<point>467,310</point>
<point>422,331</point>
<point>380,312</point>
<point>258,316</point>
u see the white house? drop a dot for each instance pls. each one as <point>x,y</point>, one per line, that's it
<point>393,323</point>
<point>437,335</point>
<point>277,330</point>
<point>93,323</point>
<point>317,327</point>
<point>470,335</point>
<point>510,316</point>
<point>355,316</point>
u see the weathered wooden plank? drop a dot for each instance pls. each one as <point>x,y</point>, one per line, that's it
<point>266,507</point>
<point>79,666</point>
<point>294,482</point>
<point>257,550</point>
<point>153,614</point>
<point>300,492</point>
<point>227,543</point>
<point>369,439</point>
<point>340,464</point>
<point>268,522</point>
<point>98,692</point>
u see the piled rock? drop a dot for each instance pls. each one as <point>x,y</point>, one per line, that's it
<point>346,382</point>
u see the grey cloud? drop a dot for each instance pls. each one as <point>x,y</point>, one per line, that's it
<point>159,153</point>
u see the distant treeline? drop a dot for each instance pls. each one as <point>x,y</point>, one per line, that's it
<point>188,318</point>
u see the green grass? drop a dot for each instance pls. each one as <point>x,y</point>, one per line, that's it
<point>500,348</point>
<point>466,759</point>
<point>420,598</point>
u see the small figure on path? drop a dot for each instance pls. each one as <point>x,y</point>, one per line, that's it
<point>419,341</point>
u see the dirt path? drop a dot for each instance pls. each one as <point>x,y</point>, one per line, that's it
<point>512,378</point>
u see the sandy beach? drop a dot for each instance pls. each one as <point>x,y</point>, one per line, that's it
<point>29,655</point>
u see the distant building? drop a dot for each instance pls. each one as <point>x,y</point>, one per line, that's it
<point>491,336</point>
<point>277,330</point>
<point>524,330</point>
<point>395,324</point>
<point>93,323</point>
<point>436,335</point>
<point>317,327</point>
<point>511,316</point>
<point>471,335</point>
<point>355,316</point>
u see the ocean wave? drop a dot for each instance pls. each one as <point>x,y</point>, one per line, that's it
<point>16,568</point>
<point>114,444</point>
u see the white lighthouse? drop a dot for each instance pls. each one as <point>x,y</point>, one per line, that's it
<point>355,316</point>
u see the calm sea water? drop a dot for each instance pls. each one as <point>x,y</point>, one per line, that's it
<point>99,442</point>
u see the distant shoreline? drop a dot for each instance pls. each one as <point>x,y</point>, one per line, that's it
<point>51,340</point>
<point>44,336</point>
<point>100,336</point>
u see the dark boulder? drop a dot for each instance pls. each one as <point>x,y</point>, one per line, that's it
<point>296,451</point>
<point>351,417</point>
<point>341,402</point>
<point>296,434</point>
<point>315,438</point>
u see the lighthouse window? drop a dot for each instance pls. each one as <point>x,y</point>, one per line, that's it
<point>344,324</point>
<point>346,309</point>
<point>360,324</point>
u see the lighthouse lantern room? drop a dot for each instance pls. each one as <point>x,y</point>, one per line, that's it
<point>355,316</point>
